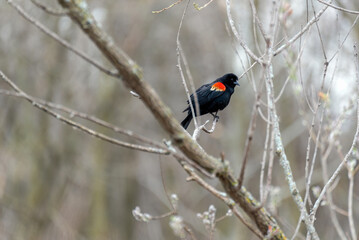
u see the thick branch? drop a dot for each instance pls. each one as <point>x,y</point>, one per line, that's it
<point>265,222</point>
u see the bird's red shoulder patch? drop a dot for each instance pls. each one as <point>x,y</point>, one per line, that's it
<point>218,86</point>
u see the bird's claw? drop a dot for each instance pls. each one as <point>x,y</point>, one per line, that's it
<point>215,116</point>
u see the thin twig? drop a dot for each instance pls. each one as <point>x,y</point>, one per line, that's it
<point>299,34</point>
<point>273,27</point>
<point>245,70</point>
<point>329,197</point>
<point>284,160</point>
<point>164,9</point>
<point>251,128</point>
<point>339,8</point>
<point>301,79</point>
<point>352,168</point>
<point>196,6</point>
<point>317,140</point>
<point>60,40</point>
<point>197,131</point>
<point>76,125</point>
<point>190,232</point>
<point>50,10</point>
<point>350,204</point>
<point>192,108</point>
<point>270,168</point>
<point>174,208</point>
<point>292,68</point>
<point>256,22</point>
<point>266,119</point>
<point>222,196</point>
<point>183,160</point>
<point>191,84</point>
<point>72,113</point>
<point>269,129</point>
<point>238,36</point>
<point>209,131</point>
<point>319,33</point>
<point>163,215</point>
<point>339,168</point>
<point>345,38</point>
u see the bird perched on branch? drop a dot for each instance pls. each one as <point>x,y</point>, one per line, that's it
<point>212,97</point>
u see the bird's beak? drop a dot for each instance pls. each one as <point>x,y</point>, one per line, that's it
<point>236,83</point>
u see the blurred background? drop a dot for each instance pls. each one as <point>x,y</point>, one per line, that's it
<point>58,183</point>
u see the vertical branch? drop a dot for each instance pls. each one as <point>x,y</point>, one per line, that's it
<point>299,34</point>
<point>238,35</point>
<point>314,157</point>
<point>283,160</point>
<point>179,50</point>
<point>354,161</point>
<point>351,174</point>
<point>191,83</point>
<point>255,19</point>
<point>319,33</point>
<point>309,176</point>
<point>352,149</point>
<point>329,197</point>
<point>269,128</point>
<point>270,166</point>
<point>251,128</point>
<point>61,41</point>
<point>324,167</point>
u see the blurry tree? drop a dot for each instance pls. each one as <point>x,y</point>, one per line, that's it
<point>282,159</point>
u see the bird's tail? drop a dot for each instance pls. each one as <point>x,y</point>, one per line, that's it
<point>187,121</point>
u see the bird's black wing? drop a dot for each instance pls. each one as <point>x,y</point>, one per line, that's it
<point>205,94</point>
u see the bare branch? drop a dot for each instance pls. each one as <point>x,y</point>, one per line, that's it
<point>209,131</point>
<point>299,34</point>
<point>338,8</point>
<point>347,156</point>
<point>269,129</point>
<point>238,36</point>
<point>319,33</point>
<point>49,10</point>
<point>222,196</point>
<point>283,160</point>
<point>257,23</point>
<point>77,125</point>
<point>60,40</point>
<point>251,128</point>
<point>353,164</point>
<point>270,168</point>
<point>197,131</point>
<point>350,203</point>
<point>194,109</point>
<point>166,8</point>
<point>292,68</point>
<point>196,6</point>
<point>345,38</point>
<point>72,113</point>
<point>317,140</point>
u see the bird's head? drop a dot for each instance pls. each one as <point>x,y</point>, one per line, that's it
<point>230,80</point>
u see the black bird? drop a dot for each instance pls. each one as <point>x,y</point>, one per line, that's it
<point>212,97</point>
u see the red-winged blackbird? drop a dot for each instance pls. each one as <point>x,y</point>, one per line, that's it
<point>212,97</point>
